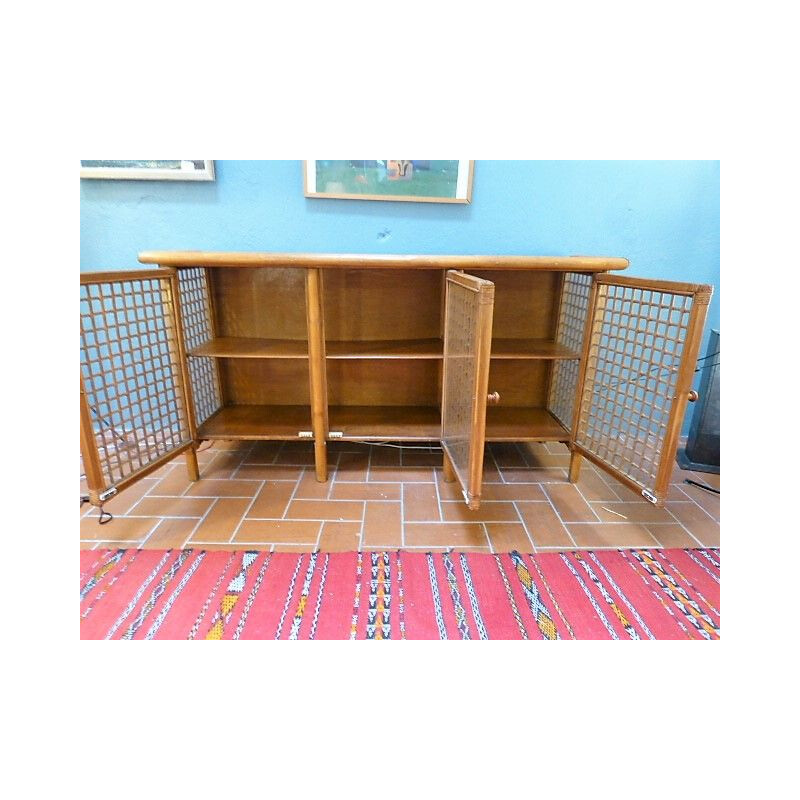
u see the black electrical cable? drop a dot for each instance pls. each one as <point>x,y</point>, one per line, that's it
<point>113,430</point>
<point>702,485</point>
<point>105,516</point>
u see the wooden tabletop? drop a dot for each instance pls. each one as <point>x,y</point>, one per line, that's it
<point>191,258</point>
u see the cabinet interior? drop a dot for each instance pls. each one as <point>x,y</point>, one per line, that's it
<point>383,334</point>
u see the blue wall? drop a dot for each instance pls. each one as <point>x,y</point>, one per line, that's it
<point>662,215</point>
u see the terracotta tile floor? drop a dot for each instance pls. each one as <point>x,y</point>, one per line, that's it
<point>263,495</point>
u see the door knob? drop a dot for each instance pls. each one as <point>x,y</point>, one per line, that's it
<point>493,398</point>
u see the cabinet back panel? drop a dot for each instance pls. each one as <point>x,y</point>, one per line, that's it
<point>525,303</point>
<point>268,381</point>
<point>520,383</point>
<point>369,305</point>
<point>383,383</point>
<point>262,303</point>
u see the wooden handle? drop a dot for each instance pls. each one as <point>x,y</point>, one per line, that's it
<point>493,398</point>
<point>693,395</point>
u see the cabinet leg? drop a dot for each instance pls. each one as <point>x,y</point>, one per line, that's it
<point>449,472</point>
<point>317,371</point>
<point>321,460</point>
<point>191,465</point>
<point>575,466</point>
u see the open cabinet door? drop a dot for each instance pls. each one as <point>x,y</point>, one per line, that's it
<point>469,305</point>
<point>136,410</point>
<point>642,341</point>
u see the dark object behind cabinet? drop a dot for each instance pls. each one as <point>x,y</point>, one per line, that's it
<point>702,448</point>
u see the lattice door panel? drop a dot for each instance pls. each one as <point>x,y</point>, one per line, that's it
<point>133,398</point>
<point>467,351</point>
<point>198,328</point>
<point>644,340</point>
<point>563,391</point>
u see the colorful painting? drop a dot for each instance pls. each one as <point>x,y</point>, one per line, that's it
<point>391,179</point>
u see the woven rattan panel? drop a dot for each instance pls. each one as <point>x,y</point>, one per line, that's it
<point>131,374</point>
<point>197,330</point>
<point>460,370</point>
<point>569,332</point>
<point>637,340</point>
<point>468,323</point>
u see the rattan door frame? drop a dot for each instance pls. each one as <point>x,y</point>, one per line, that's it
<point>102,482</point>
<point>465,385</point>
<point>694,307</point>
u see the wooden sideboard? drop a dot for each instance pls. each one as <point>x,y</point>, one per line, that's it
<point>459,350</point>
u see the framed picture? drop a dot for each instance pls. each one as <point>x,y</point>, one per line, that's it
<point>177,170</point>
<point>415,181</point>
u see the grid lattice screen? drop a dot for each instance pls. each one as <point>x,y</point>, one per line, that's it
<point>131,374</point>
<point>637,341</point>
<point>463,317</point>
<point>196,317</point>
<point>569,333</point>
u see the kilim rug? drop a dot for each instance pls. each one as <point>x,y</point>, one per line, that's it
<point>197,594</point>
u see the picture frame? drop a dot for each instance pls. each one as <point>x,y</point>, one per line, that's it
<point>144,170</point>
<point>395,180</point>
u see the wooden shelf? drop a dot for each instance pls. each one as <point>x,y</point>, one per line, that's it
<point>386,422</point>
<point>515,424</point>
<point>376,423</point>
<point>531,348</point>
<point>432,349</point>
<point>424,423</point>
<point>397,348</point>
<point>256,422</point>
<point>245,347</point>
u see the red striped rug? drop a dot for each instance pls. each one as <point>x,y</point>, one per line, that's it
<point>196,594</point>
